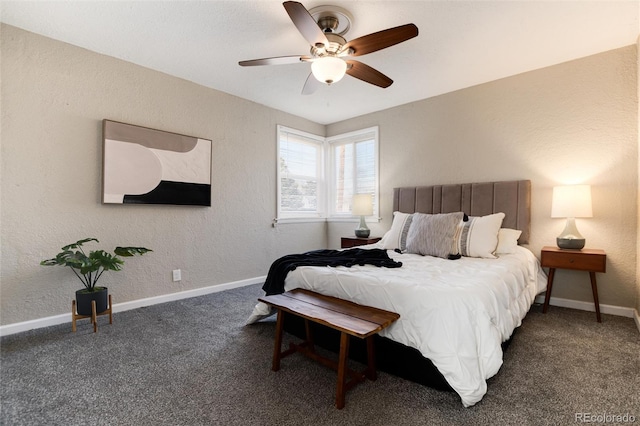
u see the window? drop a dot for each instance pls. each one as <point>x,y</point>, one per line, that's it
<point>300,174</point>
<point>350,162</point>
<point>353,169</point>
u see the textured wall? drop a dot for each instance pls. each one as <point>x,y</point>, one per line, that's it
<point>575,122</point>
<point>54,97</point>
<point>638,196</point>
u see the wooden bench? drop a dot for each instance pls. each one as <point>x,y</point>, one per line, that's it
<point>347,317</point>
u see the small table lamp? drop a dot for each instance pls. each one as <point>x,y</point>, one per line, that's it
<point>363,206</point>
<point>571,201</point>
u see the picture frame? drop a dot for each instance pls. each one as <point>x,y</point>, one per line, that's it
<point>149,166</point>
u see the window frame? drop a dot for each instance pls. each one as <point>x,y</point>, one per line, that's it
<point>326,171</point>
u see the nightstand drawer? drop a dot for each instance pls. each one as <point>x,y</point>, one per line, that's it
<point>583,260</point>
<point>349,242</point>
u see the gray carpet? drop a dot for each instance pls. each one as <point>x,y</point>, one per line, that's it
<point>193,362</point>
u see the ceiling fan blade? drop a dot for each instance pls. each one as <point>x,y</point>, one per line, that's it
<point>305,23</point>
<point>380,40</point>
<point>278,60</point>
<point>311,85</point>
<point>366,73</point>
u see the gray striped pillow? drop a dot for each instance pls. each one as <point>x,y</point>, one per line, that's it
<point>433,234</point>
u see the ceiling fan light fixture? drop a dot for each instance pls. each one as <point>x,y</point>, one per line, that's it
<point>323,28</point>
<point>328,69</point>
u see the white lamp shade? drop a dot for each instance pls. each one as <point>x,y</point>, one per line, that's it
<point>328,69</point>
<point>571,201</point>
<point>362,205</point>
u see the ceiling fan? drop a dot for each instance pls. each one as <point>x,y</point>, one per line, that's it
<point>323,27</point>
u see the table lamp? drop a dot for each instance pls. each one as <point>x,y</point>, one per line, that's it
<point>362,206</point>
<point>571,201</point>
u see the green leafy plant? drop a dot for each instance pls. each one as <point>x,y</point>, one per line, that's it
<point>90,268</point>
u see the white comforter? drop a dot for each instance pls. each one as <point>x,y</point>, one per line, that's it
<point>455,312</point>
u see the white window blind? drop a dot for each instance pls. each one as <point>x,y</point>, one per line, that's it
<point>354,169</point>
<point>300,174</point>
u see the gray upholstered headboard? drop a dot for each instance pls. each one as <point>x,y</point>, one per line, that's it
<point>513,198</point>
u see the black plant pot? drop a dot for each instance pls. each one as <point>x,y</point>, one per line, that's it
<point>84,298</point>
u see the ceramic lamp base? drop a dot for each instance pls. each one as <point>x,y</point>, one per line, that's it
<point>363,230</point>
<point>363,233</point>
<point>570,243</point>
<point>570,237</point>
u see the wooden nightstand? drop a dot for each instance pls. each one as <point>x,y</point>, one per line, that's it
<point>590,260</point>
<point>348,242</point>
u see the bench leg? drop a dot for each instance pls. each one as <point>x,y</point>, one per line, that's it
<point>275,365</point>
<point>342,369</point>
<point>371,358</point>
<point>307,327</point>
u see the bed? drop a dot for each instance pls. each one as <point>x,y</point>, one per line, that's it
<point>455,315</point>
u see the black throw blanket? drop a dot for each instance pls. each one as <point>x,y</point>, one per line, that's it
<point>355,256</point>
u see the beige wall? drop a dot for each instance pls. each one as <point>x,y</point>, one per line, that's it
<point>54,97</point>
<point>638,196</point>
<point>575,122</point>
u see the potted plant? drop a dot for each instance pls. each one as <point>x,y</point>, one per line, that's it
<point>89,269</point>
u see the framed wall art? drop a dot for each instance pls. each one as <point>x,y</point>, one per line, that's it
<point>147,166</point>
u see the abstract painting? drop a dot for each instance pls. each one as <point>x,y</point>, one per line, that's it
<point>147,166</point>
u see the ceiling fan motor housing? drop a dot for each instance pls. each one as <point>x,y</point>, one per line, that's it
<point>332,49</point>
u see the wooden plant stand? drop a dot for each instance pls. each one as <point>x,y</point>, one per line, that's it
<point>94,315</point>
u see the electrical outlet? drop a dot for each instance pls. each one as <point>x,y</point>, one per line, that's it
<point>177,275</point>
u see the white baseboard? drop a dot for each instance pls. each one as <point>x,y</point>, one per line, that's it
<point>589,306</point>
<point>8,329</point>
<point>637,318</point>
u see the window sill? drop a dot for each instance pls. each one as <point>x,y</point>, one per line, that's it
<point>352,219</point>
<point>346,219</point>
<point>287,220</point>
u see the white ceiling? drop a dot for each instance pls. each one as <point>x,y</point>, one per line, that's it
<point>460,43</point>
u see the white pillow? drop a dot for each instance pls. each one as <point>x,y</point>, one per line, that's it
<point>479,236</point>
<point>396,237</point>
<point>507,240</point>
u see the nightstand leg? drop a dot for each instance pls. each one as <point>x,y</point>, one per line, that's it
<point>547,296</point>
<point>594,288</point>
